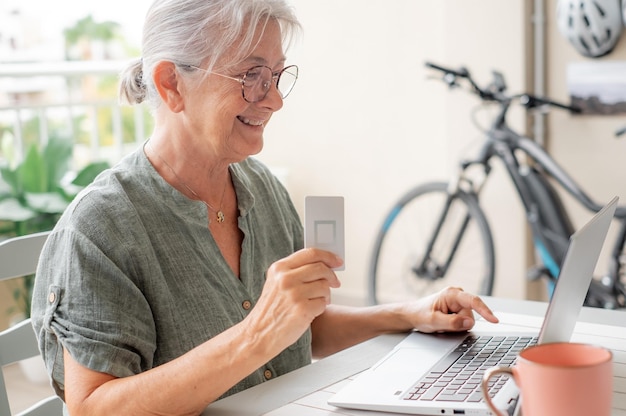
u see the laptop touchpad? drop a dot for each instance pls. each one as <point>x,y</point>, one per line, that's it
<point>409,360</point>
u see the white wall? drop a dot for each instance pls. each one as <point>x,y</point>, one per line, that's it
<point>585,145</point>
<point>364,122</point>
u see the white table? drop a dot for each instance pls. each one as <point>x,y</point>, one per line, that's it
<point>304,392</point>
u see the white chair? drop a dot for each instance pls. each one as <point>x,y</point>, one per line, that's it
<point>18,257</point>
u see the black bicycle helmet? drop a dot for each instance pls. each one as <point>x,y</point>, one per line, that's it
<point>593,27</point>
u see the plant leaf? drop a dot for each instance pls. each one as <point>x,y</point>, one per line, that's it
<point>9,177</point>
<point>5,188</point>
<point>47,202</point>
<point>7,146</point>
<point>56,157</point>
<point>12,210</point>
<point>89,173</point>
<point>32,172</point>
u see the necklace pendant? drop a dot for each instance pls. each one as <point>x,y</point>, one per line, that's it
<point>220,216</point>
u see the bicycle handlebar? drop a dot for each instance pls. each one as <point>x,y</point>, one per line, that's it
<point>462,72</point>
<point>450,76</point>
<point>495,90</point>
<point>531,101</point>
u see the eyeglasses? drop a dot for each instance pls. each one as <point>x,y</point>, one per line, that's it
<point>257,81</point>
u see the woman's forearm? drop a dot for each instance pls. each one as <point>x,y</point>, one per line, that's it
<point>340,327</point>
<point>184,386</point>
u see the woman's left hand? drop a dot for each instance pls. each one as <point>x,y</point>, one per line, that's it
<point>451,309</point>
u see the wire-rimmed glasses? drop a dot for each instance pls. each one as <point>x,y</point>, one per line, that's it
<point>257,81</point>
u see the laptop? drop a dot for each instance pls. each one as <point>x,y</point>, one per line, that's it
<point>416,376</point>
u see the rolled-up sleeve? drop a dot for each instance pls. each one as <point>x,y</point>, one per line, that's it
<point>84,304</point>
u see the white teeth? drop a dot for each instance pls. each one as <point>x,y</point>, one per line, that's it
<point>251,122</point>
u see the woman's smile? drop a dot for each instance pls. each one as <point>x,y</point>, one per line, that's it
<point>251,122</point>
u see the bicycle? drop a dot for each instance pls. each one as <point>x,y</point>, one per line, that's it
<point>438,235</point>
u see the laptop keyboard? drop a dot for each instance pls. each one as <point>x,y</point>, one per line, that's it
<point>457,378</point>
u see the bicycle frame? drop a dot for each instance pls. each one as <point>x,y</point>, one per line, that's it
<point>503,143</point>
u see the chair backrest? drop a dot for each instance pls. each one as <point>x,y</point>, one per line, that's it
<point>18,257</point>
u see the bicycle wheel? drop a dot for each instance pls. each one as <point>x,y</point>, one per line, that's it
<point>462,253</point>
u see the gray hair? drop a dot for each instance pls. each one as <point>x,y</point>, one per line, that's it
<point>190,32</point>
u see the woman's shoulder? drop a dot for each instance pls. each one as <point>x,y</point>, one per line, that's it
<point>114,193</point>
<point>114,183</point>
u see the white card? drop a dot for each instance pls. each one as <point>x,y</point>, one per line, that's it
<point>324,224</point>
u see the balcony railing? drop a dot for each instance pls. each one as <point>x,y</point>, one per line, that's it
<point>74,99</point>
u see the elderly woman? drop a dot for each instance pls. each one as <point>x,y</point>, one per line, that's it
<point>179,276</point>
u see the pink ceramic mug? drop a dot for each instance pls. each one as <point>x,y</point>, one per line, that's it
<point>560,379</point>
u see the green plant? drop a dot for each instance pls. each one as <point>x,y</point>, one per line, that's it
<point>35,192</point>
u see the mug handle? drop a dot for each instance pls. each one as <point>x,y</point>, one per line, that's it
<point>493,371</point>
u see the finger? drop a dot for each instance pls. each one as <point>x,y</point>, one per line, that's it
<point>317,289</point>
<point>475,303</point>
<point>454,323</point>
<point>307,267</point>
<point>310,273</point>
<point>313,255</point>
<point>447,322</point>
<point>320,271</point>
<point>483,310</point>
<point>317,307</point>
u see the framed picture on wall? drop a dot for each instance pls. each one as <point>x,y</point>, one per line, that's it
<point>598,87</point>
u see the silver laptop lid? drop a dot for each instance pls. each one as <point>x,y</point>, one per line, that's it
<point>559,322</point>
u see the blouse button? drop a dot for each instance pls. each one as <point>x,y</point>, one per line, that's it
<point>52,297</point>
<point>246,304</point>
<point>267,374</point>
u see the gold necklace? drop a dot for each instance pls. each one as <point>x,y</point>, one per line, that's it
<point>218,212</point>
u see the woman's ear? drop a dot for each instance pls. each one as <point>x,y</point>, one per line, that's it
<point>167,82</point>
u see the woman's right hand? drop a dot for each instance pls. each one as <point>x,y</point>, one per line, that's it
<point>296,291</point>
